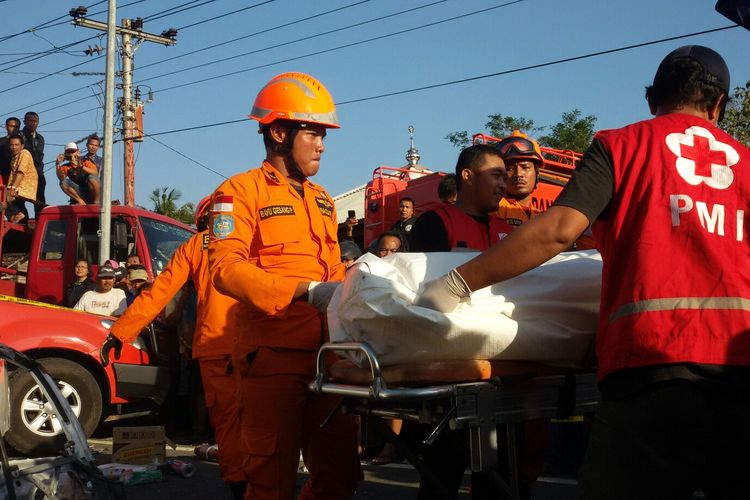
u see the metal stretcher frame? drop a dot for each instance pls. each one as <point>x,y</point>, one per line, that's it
<point>478,407</point>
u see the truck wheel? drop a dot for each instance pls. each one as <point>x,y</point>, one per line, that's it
<point>34,428</point>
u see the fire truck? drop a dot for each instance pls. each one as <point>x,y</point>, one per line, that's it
<point>389,185</point>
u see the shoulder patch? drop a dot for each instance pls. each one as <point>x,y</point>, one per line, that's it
<point>275,210</point>
<point>324,205</point>
<point>206,239</point>
<point>223,203</point>
<point>223,225</point>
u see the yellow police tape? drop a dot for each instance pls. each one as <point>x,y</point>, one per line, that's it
<point>19,300</point>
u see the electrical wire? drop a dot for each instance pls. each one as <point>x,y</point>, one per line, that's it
<point>155,17</point>
<point>474,78</point>
<point>39,55</point>
<point>332,49</point>
<point>188,158</point>
<point>253,34</point>
<point>44,24</point>
<point>309,37</point>
<point>152,16</point>
<point>224,15</point>
<point>186,54</point>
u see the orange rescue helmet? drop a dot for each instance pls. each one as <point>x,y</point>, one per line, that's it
<point>201,209</point>
<point>297,97</point>
<point>519,146</point>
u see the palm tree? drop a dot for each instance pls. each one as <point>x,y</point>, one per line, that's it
<point>165,204</point>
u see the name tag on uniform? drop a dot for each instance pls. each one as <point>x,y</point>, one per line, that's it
<point>275,210</point>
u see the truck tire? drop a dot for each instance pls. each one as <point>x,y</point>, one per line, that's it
<point>33,427</point>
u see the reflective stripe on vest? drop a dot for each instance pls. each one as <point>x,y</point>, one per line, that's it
<point>669,304</point>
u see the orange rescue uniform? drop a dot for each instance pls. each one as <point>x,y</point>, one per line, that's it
<point>266,238</point>
<point>514,213</point>
<point>212,342</point>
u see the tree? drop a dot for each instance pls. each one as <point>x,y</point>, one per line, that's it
<point>498,126</point>
<point>165,204</point>
<point>736,120</point>
<point>572,133</point>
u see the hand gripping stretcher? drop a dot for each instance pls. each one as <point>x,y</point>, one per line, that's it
<point>473,395</point>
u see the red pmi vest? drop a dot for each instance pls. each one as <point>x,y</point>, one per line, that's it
<point>465,232</point>
<point>676,276</point>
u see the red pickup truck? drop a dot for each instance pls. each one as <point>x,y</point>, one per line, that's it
<point>37,264</point>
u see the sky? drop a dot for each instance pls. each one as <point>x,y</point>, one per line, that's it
<point>361,51</point>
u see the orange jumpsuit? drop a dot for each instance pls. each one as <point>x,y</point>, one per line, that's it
<point>267,238</point>
<point>212,342</point>
<point>516,214</point>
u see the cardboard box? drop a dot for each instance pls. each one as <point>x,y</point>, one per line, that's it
<point>139,445</point>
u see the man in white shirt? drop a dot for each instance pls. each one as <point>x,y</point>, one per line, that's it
<point>105,300</point>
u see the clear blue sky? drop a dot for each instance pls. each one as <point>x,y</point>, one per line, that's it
<point>374,132</point>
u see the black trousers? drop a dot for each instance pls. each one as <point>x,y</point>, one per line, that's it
<point>668,440</point>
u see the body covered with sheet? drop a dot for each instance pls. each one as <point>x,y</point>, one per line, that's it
<point>547,315</point>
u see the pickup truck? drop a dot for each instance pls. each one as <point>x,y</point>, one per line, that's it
<point>37,263</point>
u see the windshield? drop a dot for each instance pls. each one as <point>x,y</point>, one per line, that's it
<point>162,239</point>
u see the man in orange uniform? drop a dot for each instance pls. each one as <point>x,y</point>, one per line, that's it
<point>523,158</point>
<point>212,341</point>
<point>274,249</point>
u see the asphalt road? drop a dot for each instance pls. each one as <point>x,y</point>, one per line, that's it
<point>398,481</point>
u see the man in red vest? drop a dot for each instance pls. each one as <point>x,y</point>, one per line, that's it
<point>467,225</point>
<point>667,199</point>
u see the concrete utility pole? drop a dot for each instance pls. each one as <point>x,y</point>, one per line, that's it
<point>130,29</point>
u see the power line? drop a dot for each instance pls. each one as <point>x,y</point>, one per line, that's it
<point>254,34</point>
<point>148,18</point>
<point>40,55</point>
<point>474,78</point>
<point>44,24</point>
<point>362,23</point>
<point>186,54</point>
<point>51,74</point>
<point>155,17</point>
<point>332,49</point>
<point>47,25</point>
<point>188,158</point>
<point>224,15</point>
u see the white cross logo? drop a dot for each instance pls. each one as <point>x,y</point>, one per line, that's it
<point>702,158</point>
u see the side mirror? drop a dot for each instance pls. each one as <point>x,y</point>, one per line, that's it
<point>737,11</point>
<point>120,235</point>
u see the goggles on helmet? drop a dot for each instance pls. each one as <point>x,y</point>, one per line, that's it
<point>517,146</point>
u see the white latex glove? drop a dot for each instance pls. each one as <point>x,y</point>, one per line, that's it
<point>444,293</point>
<point>319,293</point>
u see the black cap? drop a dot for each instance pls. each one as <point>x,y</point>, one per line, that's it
<point>105,271</point>
<point>715,70</point>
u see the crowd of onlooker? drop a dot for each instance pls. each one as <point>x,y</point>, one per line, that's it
<point>22,169</point>
<point>115,288</point>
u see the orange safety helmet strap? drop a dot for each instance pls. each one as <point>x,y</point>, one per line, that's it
<point>296,97</point>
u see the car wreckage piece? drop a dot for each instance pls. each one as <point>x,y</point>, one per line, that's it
<point>70,476</point>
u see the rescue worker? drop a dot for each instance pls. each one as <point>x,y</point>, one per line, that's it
<point>468,225</point>
<point>667,198</point>
<point>212,340</point>
<point>480,184</point>
<point>274,249</point>
<point>523,159</point>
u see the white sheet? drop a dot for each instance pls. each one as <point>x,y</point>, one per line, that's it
<point>548,314</point>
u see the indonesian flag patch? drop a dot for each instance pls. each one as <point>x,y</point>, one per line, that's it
<point>223,203</point>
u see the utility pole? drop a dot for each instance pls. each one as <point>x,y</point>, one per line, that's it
<point>131,29</point>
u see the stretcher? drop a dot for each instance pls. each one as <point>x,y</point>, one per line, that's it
<point>476,396</point>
